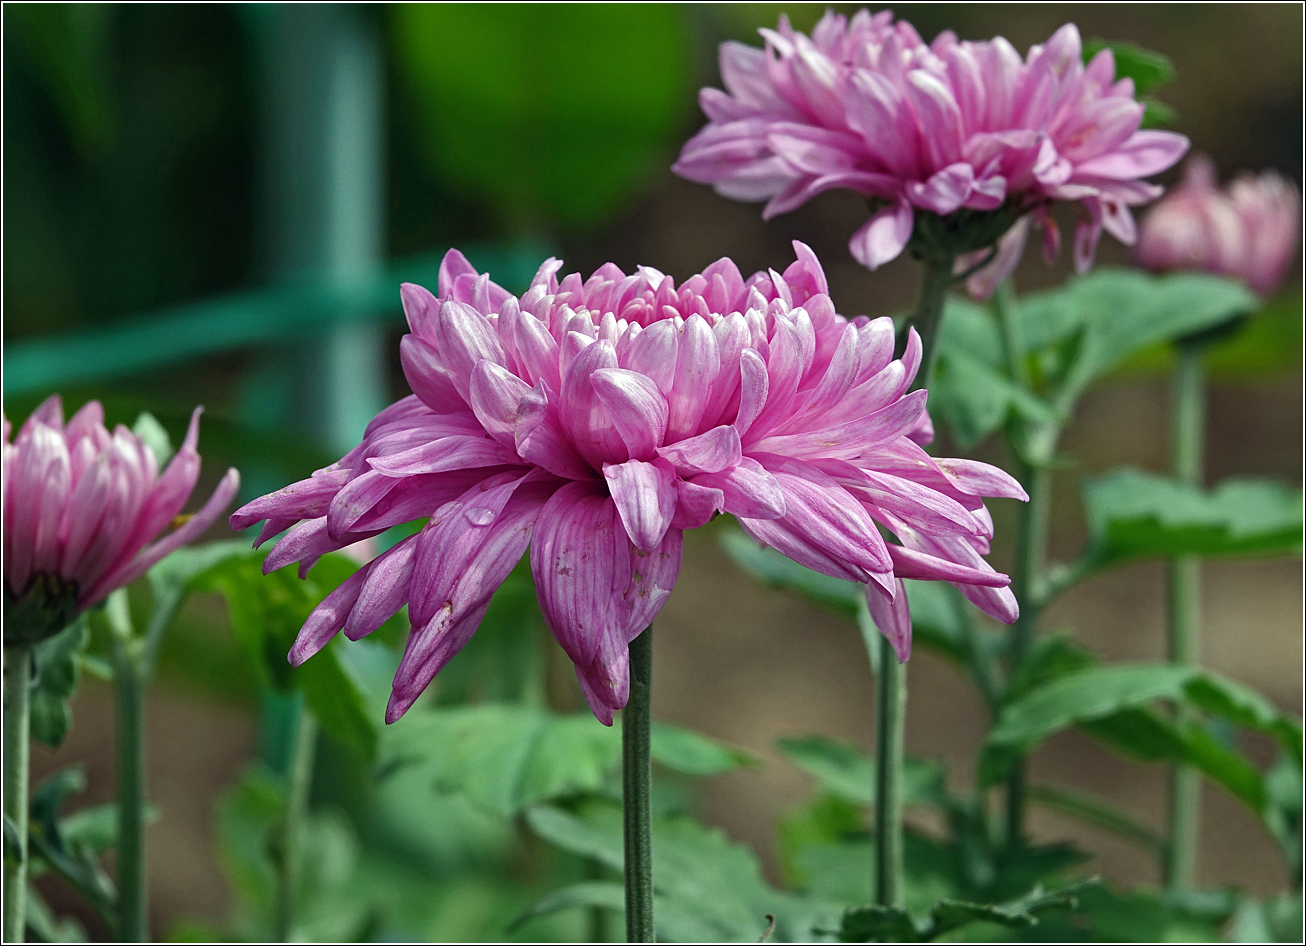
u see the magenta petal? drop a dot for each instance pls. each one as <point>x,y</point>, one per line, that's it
<point>542,441</point>
<point>747,490</point>
<point>428,649</point>
<point>463,338</point>
<point>908,563</point>
<point>645,496</point>
<point>443,455</point>
<point>495,395</point>
<point>892,616</point>
<point>883,237</point>
<point>327,619</point>
<point>384,591</point>
<point>981,479</point>
<point>653,576</point>
<point>696,504</point>
<point>1145,153</point>
<point>306,499</point>
<point>637,408</point>
<point>709,452</point>
<point>945,191</point>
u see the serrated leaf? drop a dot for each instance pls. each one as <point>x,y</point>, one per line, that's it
<point>1132,514</point>
<point>266,614</point>
<point>155,436</point>
<point>712,886</point>
<point>893,924</point>
<point>504,757</point>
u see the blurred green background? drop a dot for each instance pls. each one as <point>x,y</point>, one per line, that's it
<point>215,204</point>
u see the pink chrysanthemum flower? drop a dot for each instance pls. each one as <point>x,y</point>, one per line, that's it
<point>83,509</point>
<point>596,420</point>
<point>1248,230</point>
<point>963,130</point>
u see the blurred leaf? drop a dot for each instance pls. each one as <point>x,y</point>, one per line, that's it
<point>1051,656</point>
<point>1156,114</point>
<point>849,773</point>
<point>267,612</point>
<point>1094,811</point>
<point>1110,703</point>
<point>1133,515</point>
<point>68,856</point>
<point>504,757</point>
<point>894,924</point>
<point>44,927</point>
<point>691,753</point>
<point>1276,919</point>
<point>1097,321</point>
<point>776,571</point>
<point>155,436</point>
<point>554,112</point>
<point>710,889</point>
<point>57,668</point>
<point>1148,69</point>
<point>178,570</point>
<point>600,894</point>
<point>1140,916</point>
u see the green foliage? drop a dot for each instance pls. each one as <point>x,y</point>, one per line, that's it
<point>1133,515</point>
<point>57,667</point>
<point>71,847</point>
<point>1111,704</point>
<point>706,888</point>
<point>267,612</point>
<point>155,436</point>
<point>1148,69</point>
<point>506,758</point>
<point>848,773</point>
<point>894,924</point>
<point>554,114</point>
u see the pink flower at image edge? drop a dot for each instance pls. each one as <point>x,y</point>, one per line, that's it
<point>596,420</point>
<point>85,507</point>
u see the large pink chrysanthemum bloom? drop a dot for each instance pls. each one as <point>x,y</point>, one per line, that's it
<point>83,509</point>
<point>963,130</point>
<point>1248,231</point>
<point>596,420</point>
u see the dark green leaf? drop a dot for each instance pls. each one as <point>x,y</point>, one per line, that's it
<point>1094,811</point>
<point>598,94</point>
<point>76,863</point>
<point>602,894</point>
<point>1133,514</point>
<point>57,668</point>
<point>1156,114</point>
<point>1148,69</point>
<point>267,612</point>
<point>879,924</point>
<point>1051,657</point>
<point>1276,919</point>
<point>893,924</point>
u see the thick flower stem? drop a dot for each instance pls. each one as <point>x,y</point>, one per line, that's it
<point>1031,551</point>
<point>890,713</point>
<point>290,845</point>
<point>1185,609</point>
<point>936,280</point>
<point>17,714</point>
<point>636,791</point>
<point>129,692</point>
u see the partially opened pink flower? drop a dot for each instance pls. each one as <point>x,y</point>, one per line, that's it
<point>962,130</point>
<point>1248,230</point>
<point>595,420</point>
<point>83,513</point>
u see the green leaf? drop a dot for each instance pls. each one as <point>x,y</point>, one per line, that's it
<point>1094,811</point>
<point>774,570</point>
<point>893,924</point>
<point>710,888</point>
<point>1110,703</point>
<point>504,757</point>
<point>1148,69</point>
<point>1134,515</point>
<point>57,669</point>
<point>552,114</point>
<point>1093,323</point>
<point>267,612</point>
<point>153,434</point>
<point>975,399</point>
<point>691,753</point>
<point>848,773</point>
<point>74,861</point>
<point>603,894</point>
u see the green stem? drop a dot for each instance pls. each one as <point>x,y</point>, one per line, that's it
<point>17,746</point>
<point>936,280</point>
<point>298,785</point>
<point>890,714</point>
<point>636,791</point>
<point>1185,611</point>
<point>129,693</point>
